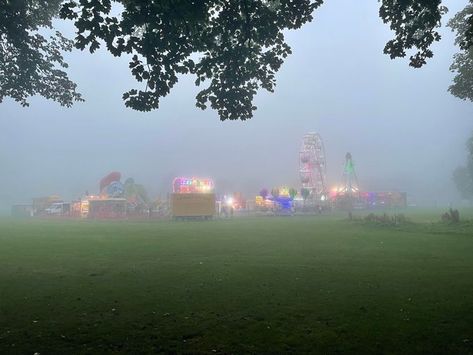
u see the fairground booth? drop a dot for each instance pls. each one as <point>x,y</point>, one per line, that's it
<point>193,198</point>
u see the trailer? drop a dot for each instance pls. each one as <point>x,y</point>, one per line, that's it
<point>193,205</point>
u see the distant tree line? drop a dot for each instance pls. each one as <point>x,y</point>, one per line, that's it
<point>233,48</point>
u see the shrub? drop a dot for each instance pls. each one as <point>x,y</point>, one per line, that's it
<point>386,219</point>
<point>451,216</point>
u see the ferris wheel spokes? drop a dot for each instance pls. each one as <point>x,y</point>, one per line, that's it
<point>312,165</point>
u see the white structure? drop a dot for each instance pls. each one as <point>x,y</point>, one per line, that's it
<point>312,166</point>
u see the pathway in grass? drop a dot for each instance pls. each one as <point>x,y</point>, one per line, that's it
<point>242,285</point>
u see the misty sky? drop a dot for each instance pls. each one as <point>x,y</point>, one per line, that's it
<point>404,130</point>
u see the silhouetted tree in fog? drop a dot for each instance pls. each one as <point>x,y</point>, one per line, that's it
<point>233,48</point>
<point>30,62</point>
<point>463,175</point>
<point>462,24</point>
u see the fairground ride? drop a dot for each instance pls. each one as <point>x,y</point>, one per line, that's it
<point>350,180</point>
<point>312,166</point>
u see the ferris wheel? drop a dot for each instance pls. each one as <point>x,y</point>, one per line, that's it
<point>312,165</point>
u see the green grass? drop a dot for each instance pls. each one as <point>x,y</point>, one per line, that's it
<point>252,285</point>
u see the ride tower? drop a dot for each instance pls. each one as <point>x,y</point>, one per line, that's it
<point>312,166</point>
<point>350,180</point>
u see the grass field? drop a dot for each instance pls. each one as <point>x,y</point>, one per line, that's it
<point>248,285</point>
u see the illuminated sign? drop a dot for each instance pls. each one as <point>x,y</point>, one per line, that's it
<point>184,185</point>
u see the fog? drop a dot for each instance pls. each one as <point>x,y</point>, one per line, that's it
<point>404,130</point>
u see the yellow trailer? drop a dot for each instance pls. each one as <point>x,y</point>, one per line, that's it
<point>193,205</point>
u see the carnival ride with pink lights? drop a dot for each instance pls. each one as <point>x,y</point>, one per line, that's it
<point>314,195</point>
<point>313,166</point>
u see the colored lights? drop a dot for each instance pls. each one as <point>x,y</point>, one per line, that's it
<point>284,191</point>
<point>192,185</point>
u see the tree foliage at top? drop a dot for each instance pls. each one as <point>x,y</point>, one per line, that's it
<point>462,25</point>
<point>30,63</point>
<point>414,23</point>
<point>232,47</point>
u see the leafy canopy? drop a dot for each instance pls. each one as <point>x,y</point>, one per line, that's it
<point>30,63</point>
<point>414,23</point>
<point>233,47</point>
<point>462,25</point>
